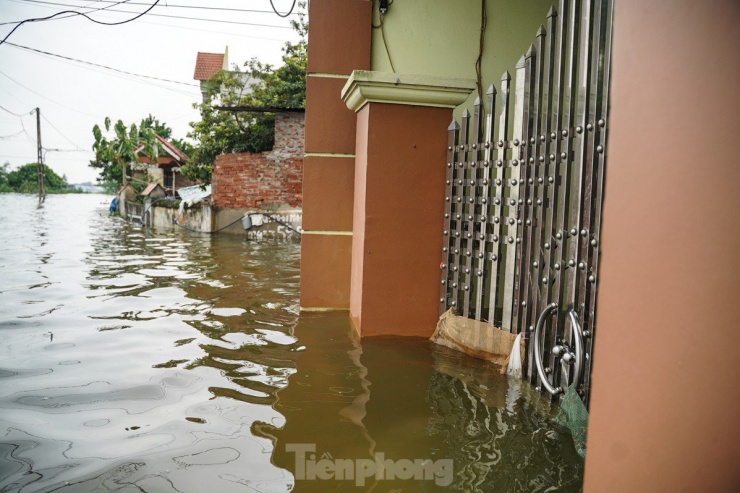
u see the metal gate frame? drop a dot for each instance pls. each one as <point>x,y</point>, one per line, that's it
<point>524,198</point>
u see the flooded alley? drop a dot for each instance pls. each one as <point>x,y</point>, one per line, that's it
<point>141,360</point>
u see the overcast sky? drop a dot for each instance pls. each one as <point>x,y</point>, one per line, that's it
<point>74,96</point>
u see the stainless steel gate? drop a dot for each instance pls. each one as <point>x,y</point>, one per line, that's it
<point>524,197</point>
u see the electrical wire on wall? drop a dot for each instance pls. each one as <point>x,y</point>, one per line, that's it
<point>382,9</point>
<point>479,60</point>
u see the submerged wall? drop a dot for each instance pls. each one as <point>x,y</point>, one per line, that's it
<point>665,402</point>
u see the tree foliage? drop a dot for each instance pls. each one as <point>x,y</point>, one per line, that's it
<point>25,180</point>
<point>119,151</point>
<point>258,85</point>
<point>114,152</point>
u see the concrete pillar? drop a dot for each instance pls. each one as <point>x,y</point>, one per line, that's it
<point>665,400</point>
<point>399,184</point>
<point>340,42</point>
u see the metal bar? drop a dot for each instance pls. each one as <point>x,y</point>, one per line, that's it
<point>568,32</point>
<point>550,267</point>
<point>459,210</point>
<point>498,196</point>
<point>538,177</point>
<point>580,165</point>
<point>589,141</point>
<point>545,197</point>
<point>469,186</point>
<point>452,132</point>
<point>527,191</point>
<point>513,219</point>
<point>525,226</point>
<point>607,12</point>
<point>485,200</point>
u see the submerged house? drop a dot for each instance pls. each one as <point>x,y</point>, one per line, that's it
<point>166,171</point>
<point>383,158</point>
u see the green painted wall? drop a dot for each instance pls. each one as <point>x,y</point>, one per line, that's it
<point>442,37</point>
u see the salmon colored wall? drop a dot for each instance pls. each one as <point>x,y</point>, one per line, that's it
<point>339,42</point>
<point>665,402</point>
<point>328,191</point>
<point>399,200</point>
<point>339,36</point>
<point>358,217</point>
<point>325,276</point>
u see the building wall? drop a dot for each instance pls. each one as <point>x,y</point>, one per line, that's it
<point>271,178</point>
<point>253,180</point>
<point>442,38</point>
<point>665,401</point>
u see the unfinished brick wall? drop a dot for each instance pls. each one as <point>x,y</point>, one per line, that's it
<point>247,180</point>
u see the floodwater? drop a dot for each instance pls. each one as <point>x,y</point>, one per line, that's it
<point>133,360</point>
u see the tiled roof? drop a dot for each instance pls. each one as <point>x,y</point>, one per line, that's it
<point>169,148</point>
<point>207,65</point>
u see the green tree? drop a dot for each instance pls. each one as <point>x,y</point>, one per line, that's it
<point>25,180</point>
<point>159,128</point>
<point>4,187</point>
<point>116,154</point>
<point>259,86</point>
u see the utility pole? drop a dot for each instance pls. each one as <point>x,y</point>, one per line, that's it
<point>40,161</point>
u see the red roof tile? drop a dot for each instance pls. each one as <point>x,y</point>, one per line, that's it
<point>207,65</point>
<point>169,146</point>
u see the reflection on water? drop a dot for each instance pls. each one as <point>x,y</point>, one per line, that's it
<point>132,360</point>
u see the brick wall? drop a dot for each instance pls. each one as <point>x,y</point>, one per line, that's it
<point>246,180</point>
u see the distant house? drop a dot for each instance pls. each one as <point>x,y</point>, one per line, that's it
<point>166,170</point>
<point>209,64</point>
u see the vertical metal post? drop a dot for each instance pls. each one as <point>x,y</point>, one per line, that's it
<point>485,217</point>
<point>458,211</point>
<point>513,218</point>
<point>569,38</point>
<point>580,168</point>
<point>550,238</point>
<point>40,158</point>
<point>535,201</point>
<point>599,83</point>
<point>452,132</point>
<point>522,280</point>
<point>470,185</point>
<point>498,197</point>
<point>528,192</point>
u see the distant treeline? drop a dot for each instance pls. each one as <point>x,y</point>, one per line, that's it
<point>24,180</point>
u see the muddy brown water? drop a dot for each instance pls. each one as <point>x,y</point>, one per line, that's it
<point>133,360</point>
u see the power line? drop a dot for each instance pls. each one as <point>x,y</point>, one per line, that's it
<point>15,114</point>
<point>172,5</point>
<point>44,97</point>
<point>102,66</point>
<point>88,6</point>
<point>40,19</point>
<point>60,132</point>
<point>282,15</point>
<point>77,60</point>
<point>6,137</point>
<point>169,16</point>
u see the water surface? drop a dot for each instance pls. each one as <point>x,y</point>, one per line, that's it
<point>135,360</point>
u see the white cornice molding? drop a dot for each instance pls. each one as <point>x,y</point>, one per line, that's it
<point>366,86</point>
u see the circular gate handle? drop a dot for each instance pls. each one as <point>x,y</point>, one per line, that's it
<point>549,309</point>
<point>578,333</point>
